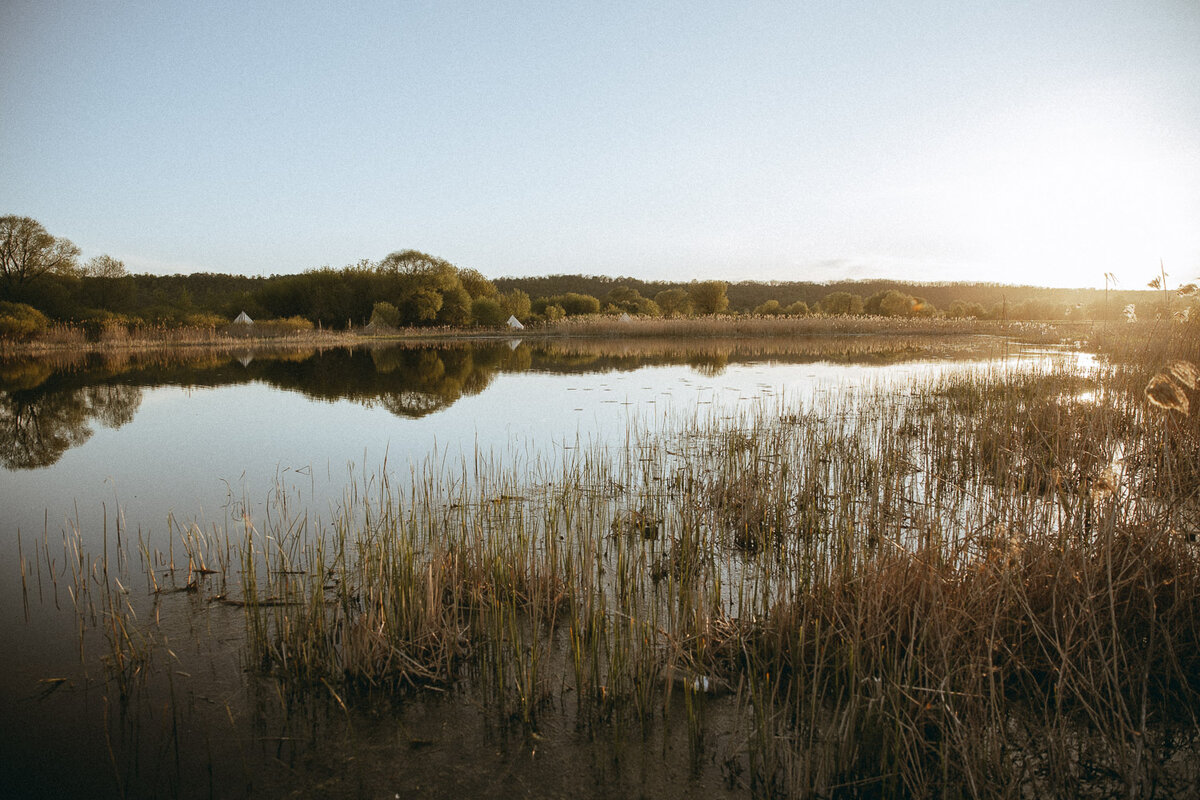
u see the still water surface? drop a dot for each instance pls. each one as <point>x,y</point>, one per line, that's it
<point>143,445</point>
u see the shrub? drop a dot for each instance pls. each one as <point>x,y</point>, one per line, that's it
<point>206,320</point>
<point>797,309</point>
<point>21,321</point>
<point>288,325</point>
<point>575,304</point>
<point>771,308</point>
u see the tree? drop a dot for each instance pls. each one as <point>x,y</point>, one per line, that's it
<point>413,262</point>
<point>475,284</point>
<point>708,297</point>
<point>631,301</point>
<point>515,304</point>
<point>871,306</point>
<point>771,308</point>
<point>423,304</point>
<point>895,303</point>
<point>960,310</point>
<point>28,252</point>
<point>456,307</point>
<point>574,303</point>
<point>104,267</point>
<point>487,311</point>
<point>797,309</point>
<point>106,284</point>
<point>673,301</point>
<point>837,303</point>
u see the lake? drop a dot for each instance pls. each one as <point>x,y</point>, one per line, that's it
<point>107,461</point>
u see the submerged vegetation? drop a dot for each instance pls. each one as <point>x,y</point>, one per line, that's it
<point>987,585</point>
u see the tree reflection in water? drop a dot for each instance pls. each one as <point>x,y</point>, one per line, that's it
<point>424,381</point>
<point>37,427</point>
<point>48,406</point>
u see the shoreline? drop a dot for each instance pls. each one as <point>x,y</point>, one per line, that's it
<point>75,340</point>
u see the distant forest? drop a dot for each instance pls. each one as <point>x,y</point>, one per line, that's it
<point>1021,302</point>
<point>42,281</point>
<point>355,296</point>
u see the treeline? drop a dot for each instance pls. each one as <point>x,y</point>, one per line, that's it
<point>152,299</point>
<point>874,297</point>
<point>409,288</point>
<point>42,279</point>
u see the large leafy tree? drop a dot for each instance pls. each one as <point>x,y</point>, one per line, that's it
<point>708,297</point>
<point>428,289</point>
<point>28,251</point>
<point>673,301</point>
<point>575,303</point>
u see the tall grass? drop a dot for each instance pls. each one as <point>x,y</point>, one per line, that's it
<point>751,325</point>
<point>65,338</point>
<point>986,586</point>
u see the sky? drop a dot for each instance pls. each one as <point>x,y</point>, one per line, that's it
<point>1037,142</point>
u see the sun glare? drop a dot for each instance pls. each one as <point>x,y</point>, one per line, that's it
<point>1067,199</point>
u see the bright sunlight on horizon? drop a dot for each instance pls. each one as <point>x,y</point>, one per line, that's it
<point>1076,190</point>
<point>1032,143</point>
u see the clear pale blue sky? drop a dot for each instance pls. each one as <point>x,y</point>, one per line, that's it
<point>1043,142</point>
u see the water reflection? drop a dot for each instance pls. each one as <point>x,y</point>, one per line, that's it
<point>37,427</point>
<point>50,405</point>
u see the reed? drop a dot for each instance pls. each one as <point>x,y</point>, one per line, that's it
<point>725,326</point>
<point>66,339</point>
<point>985,586</point>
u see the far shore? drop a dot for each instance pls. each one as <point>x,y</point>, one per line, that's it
<point>241,338</point>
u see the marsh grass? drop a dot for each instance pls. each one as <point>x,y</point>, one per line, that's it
<point>771,326</point>
<point>986,586</point>
<point>71,339</point>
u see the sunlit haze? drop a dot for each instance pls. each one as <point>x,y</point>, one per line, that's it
<point>1018,142</point>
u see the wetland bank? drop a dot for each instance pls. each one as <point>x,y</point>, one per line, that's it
<point>834,566</point>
